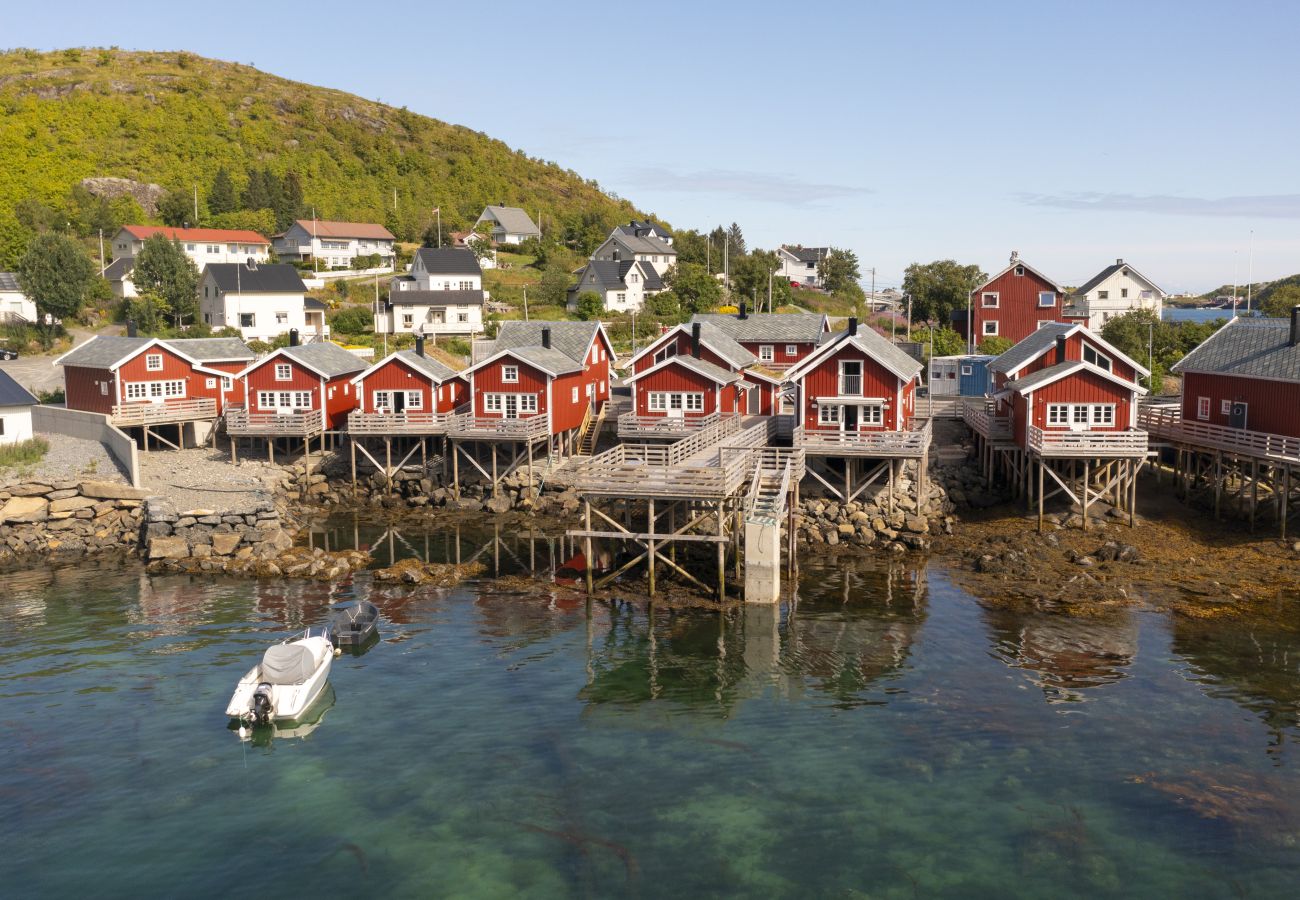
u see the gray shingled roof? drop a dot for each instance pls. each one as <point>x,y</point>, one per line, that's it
<point>611,275</point>
<point>1106,273</point>
<point>705,368</point>
<point>263,278</point>
<point>550,360</point>
<point>9,281</point>
<point>570,338</point>
<point>513,219</point>
<point>724,345</point>
<point>14,394</point>
<point>1041,340</point>
<point>102,351</point>
<point>449,261</point>
<point>435,298</point>
<point>878,347</point>
<point>118,269</point>
<point>1042,376</point>
<point>636,244</point>
<point>1250,348</point>
<point>808,254</point>
<point>435,369</point>
<point>212,349</point>
<point>643,229</point>
<point>327,358</point>
<point>775,328</point>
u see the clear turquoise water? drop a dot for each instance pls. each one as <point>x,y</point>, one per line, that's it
<point>884,737</point>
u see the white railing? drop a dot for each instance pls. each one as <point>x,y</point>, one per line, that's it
<point>850,385</point>
<point>405,422</point>
<point>632,425</point>
<point>1086,443</point>
<point>979,415</point>
<point>1168,422</point>
<point>912,441</point>
<point>146,413</point>
<point>303,422</point>
<point>527,428</point>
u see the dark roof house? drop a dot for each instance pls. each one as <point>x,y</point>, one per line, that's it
<point>261,278</point>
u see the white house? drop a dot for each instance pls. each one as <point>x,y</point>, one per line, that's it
<point>442,294</point>
<point>15,411</point>
<point>14,304</point>
<point>622,285</point>
<point>799,265</point>
<point>642,244</point>
<point>1113,291</point>
<point>263,302</point>
<point>335,244</point>
<point>202,245</point>
<point>510,224</point>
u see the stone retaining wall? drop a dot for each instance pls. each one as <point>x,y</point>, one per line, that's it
<point>203,533</point>
<point>68,517</point>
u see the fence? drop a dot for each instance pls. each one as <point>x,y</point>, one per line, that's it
<point>89,426</point>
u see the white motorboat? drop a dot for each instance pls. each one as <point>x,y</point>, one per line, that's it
<point>286,682</point>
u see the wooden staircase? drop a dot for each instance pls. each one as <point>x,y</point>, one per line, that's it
<point>768,495</point>
<point>589,433</point>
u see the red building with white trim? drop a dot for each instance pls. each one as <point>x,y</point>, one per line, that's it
<point>297,390</point>
<point>1012,304</point>
<point>775,340</point>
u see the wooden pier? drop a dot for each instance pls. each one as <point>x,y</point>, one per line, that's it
<point>867,457</point>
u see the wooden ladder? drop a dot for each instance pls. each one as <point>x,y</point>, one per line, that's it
<point>591,426</point>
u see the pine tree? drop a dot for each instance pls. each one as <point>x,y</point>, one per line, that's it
<point>291,202</point>
<point>221,196</point>
<point>255,196</point>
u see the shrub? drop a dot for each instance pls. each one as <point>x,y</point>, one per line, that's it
<point>994,346</point>
<point>23,453</point>
<point>353,320</point>
<point>589,305</point>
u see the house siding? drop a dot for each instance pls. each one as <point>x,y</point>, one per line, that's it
<point>488,380</point>
<point>1081,387</point>
<point>1272,405</point>
<point>877,381</point>
<point>81,389</point>
<point>1017,312</point>
<point>676,379</point>
<point>1073,353</point>
<point>398,376</point>
<point>780,358</point>
<point>336,398</point>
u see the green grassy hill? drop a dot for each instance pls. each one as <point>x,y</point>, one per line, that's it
<point>173,119</point>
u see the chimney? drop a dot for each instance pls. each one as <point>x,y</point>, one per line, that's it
<point>293,337</point>
<point>744,313</point>
<point>419,345</point>
<point>546,336</point>
<point>1295,327</point>
<point>1060,348</point>
<point>1015,256</point>
<point>695,340</point>
<point>1119,262</point>
<point>131,329</point>
<point>853,325</point>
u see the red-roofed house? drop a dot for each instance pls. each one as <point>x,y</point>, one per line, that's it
<point>202,245</point>
<point>335,244</point>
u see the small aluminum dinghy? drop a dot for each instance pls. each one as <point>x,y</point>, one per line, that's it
<point>353,623</point>
<point>286,682</point>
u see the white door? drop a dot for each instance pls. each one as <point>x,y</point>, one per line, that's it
<point>675,410</point>
<point>511,406</point>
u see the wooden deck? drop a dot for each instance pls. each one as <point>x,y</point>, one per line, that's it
<point>468,427</point>
<point>978,414</point>
<point>1087,444</point>
<point>241,423</point>
<point>630,425</point>
<point>1167,423</point>
<point>909,444</point>
<point>396,424</point>
<point>168,412</point>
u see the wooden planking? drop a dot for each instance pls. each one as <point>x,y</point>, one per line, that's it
<point>911,443</point>
<point>1168,423</point>
<point>130,414</point>
<point>1080,444</point>
<point>240,421</point>
<point>1273,406</point>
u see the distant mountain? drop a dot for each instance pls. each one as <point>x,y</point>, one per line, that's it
<point>170,120</point>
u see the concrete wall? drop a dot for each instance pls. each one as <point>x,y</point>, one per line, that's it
<point>90,427</point>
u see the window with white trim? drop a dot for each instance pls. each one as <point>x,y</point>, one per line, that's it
<point>663,401</point>
<point>1058,415</point>
<point>828,414</point>
<point>1103,414</point>
<point>1225,407</point>
<point>103,388</point>
<point>1042,322</point>
<point>1046,298</point>
<point>967,370</point>
<point>1103,295</point>
<point>1019,270</point>
<point>574,398</point>
<point>247,320</point>
<point>990,300</point>
<point>510,374</point>
<point>382,400</point>
<point>1090,355</point>
<point>282,318</point>
<point>1203,408</point>
<point>1080,415</point>
<point>283,372</point>
<point>136,390</point>
<point>153,362</point>
<point>527,403</point>
<point>492,403</point>
<point>666,353</point>
<point>210,384</point>
<point>991,327</point>
<point>414,400</point>
<point>227,384</point>
<point>766,353</point>
<point>871,415</point>
<point>791,349</point>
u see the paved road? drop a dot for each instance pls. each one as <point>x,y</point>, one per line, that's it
<point>37,373</point>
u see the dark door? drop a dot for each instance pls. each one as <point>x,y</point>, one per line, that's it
<point>850,418</point>
<point>1238,417</point>
<point>399,401</point>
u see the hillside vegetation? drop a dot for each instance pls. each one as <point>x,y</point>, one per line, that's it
<point>175,119</point>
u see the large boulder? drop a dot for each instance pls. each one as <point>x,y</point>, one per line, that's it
<point>168,548</point>
<point>225,544</point>
<point>110,490</point>
<point>29,490</point>
<point>25,509</point>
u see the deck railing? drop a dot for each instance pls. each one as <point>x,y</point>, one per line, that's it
<point>145,413</point>
<point>1168,422</point>
<point>632,425</point>
<point>527,428</point>
<point>1086,443</point>
<point>405,422</point>
<point>911,442</point>
<point>979,415</point>
<point>304,422</point>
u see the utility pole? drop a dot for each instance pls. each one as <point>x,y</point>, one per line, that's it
<point>1250,270</point>
<point>525,303</point>
<point>1151,379</point>
<point>101,253</point>
<point>196,205</point>
<point>909,317</point>
<point>770,273</point>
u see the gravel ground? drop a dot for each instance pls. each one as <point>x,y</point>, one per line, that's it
<point>68,459</point>
<point>205,479</point>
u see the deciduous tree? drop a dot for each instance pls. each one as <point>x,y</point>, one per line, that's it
<point>838,268</point>
<point>56,274</point>
<point>163,269</point>
<point>589,305</point>
<point>940,287</point>
<point>696,289</point>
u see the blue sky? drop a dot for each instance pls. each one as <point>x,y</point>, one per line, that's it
<point>1076,133</point>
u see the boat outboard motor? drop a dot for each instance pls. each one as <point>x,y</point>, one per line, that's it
<point>262,706</point>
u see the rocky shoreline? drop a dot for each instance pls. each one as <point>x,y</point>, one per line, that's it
<point>68,518</point>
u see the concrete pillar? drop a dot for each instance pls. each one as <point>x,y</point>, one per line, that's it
<point>762,562</point>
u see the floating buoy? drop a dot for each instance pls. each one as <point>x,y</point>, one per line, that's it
<point>243,732</point>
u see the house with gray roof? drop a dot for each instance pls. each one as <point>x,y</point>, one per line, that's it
<point>510,224</point>
<point>15,306</point>
<point>16,404</point>
<point>442,294</point>
<point>299,390</point>
<point>778,340</point>
<point>1246,376</point>
<point>262,300</point>
<point>640,244</point>
<point>801,265</point>
<point>621,285</point>
<point>1114,291</point>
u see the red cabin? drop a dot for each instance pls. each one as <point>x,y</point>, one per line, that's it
<point>1013,304</point>
<point>556,370</point>
<point>1245,376</point>
<point>853,388</point>
<point>1062,384</point>
<point>297,390</point>
<point>410,381</point>
<point>144,382</point>
<point>776,340</point>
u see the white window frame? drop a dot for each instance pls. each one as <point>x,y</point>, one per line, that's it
<point>1100,360</point>
<point>1225,407</point>
<point>574,397</point>
<point>1051,299</point>
<point>967,369</point>
<point>210,384</point>
<point>414,400</point>
<point>666,352</point>
<point>1018,271</point>
<point>861,376</point>
<point>791,349</point>
<point>1203,408</point>
<point>828,414</point>
<point>510,374</point>
<point>252,320</point>
<point>766,353</point>
<point>153,362</point>
<point>871,414</point>
<point>987,332</point>
<point>227,383</point>
<point>1080,416</point>
<point>988,296</point>
<point>283,372</point>
<point>382,400</point>
<point>1058,415</point>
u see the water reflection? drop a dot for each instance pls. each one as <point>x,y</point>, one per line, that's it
<point>1064,656</point>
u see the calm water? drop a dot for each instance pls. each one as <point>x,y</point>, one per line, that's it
<point>1173,314</point>
<point>885,736</point>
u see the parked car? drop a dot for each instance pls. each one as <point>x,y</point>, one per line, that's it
<point>8,352</point>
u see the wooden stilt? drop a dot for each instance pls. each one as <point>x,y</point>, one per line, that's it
<point>234,452</point>
<point>352,444</point>
<point>455,469</point>
<point>495,483</point>
<point>586,524</point>
<point>722,557</point>
<point>1218,481</point>
<point>1040,496</point>
<point>650,556</point>
<point>1086,491</point>
<point>388,465</point>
